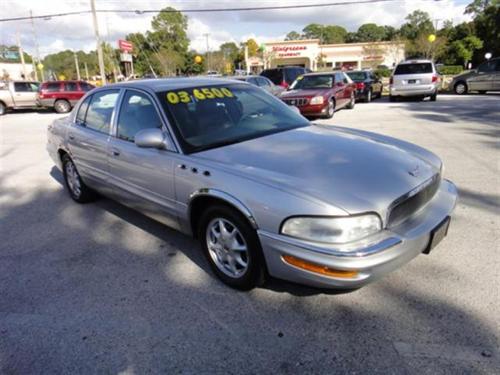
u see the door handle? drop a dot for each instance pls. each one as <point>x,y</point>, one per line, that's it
<point>115,151</point>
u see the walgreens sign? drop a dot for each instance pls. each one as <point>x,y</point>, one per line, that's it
<point>289,51</point>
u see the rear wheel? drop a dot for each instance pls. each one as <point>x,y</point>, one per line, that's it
<point>62,106</point>
<point>231,247</point>
<point>460,88</point>
<point>80,192</point>
<point>368,96</point>
<point>3,109</point>
<point>433,97</point>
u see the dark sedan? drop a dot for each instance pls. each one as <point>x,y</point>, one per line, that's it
<point>368,86</point>
<point>321,94</point>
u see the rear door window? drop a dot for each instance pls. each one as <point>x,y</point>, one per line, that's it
<point>414,68</point>
<point>52,87</point>
<point>22,87</point>
<point>100,110</point>
<point>70,86</point>
<point>275,75</point>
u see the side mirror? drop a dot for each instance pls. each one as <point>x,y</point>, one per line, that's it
<point>150,138</point>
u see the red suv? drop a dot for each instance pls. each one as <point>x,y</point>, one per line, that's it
<point>62,95</point>
<point>321,94</point>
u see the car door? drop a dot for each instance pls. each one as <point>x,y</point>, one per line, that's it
<point>495,81</point>
<point>71,92</point>
<point>143,178</point>
<point>25,94</point>
<point>88,137</point>
<point>340,90</point>
<point>483,79</point>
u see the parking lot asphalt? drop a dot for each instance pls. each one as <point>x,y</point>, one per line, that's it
<point>99,288</point>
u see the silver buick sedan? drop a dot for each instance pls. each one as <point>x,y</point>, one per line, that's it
<point>264,190</point>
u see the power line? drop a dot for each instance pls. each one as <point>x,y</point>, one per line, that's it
<point>244,9</point>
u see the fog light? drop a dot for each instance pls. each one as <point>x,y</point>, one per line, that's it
<point>316,268</point>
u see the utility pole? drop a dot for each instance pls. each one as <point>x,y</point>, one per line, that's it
<point>36,48</point>
<point>86,71</point>
<point>76,65</point>
<point>21,54</point>
<point>208,52</point>
<point>100,56</point>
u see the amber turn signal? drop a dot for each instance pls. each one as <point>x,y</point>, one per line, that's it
<point>316,268</point>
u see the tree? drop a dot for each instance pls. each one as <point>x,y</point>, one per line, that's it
<point>487,29</point>
<point>370,32</point>
<point>313,31</point>
<point>479,6</point>
<point>293,35</point>
<point>333,34</point>
<point>253,47</point>
<point>390,33</point>
<point>418,22</point>
<point>461,51</point>
<point>170,30</point>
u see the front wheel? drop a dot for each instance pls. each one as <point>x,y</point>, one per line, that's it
<point>232,248</point>
<point>352,102</point>
<point>330,111</point>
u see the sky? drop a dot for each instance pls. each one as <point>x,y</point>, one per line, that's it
<point>76,32</point>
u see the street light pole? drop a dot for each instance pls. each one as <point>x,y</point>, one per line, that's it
<point>21,54</point>
<point>36,48</point>
<point>208,52</point>
<point>100,56</point>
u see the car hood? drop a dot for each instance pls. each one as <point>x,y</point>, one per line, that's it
<point>304,93</point>
<point>349,171</point>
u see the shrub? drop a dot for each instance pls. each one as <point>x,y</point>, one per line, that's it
<point>383,72</point>
<point>450,69</point>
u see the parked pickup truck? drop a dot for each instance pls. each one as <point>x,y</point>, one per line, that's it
<point>18,95</point>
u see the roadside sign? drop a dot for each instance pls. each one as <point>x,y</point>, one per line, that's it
<point>125,45</point>
<point>125,57</point>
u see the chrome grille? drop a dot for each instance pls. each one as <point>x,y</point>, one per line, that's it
<point>296,101</point>
<point>410,203</point>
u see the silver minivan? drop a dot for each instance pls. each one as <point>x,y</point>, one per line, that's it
<point>417,78</point>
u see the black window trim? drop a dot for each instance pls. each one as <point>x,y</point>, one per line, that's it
<point>113,114</point>
<point>165,125</point>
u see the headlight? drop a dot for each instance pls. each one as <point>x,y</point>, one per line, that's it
<point>333,229</point>
<point>317,100</point>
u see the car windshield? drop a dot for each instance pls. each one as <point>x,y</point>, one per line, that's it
<point>414,68</point>
<point>217,115</point>
<point>357,76</point>
<point>313,82</point>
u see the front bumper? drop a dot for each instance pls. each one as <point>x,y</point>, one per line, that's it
<point>371,260</point>
<point>413,90</point>
<point>314,110</point>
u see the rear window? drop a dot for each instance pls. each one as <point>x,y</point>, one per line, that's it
<point>275,75</point>
<point>415,68</point>
<point>357,76</point>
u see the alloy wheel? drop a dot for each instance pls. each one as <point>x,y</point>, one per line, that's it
<point>227,247</point>
<point>73,179</point>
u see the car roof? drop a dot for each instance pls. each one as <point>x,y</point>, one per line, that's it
<point>165,84</point>
<point>415,61</point>
<point>320,73</point>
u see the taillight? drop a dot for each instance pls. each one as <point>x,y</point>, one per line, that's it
<point>391,80</point>
<point>434,78</point>
<point>284,84</point>
<point>360,85</point>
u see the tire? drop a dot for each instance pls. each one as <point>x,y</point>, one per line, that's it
<point>331,109</point>
<point>239,262</point>
<point>62,106</point>
<point>433,97</point>
<point>3,109</point>
<point>392,98</point>
<point>77,189</point>
<point>368,98</point>
<point>460,88</point>
<point>352,103</point>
